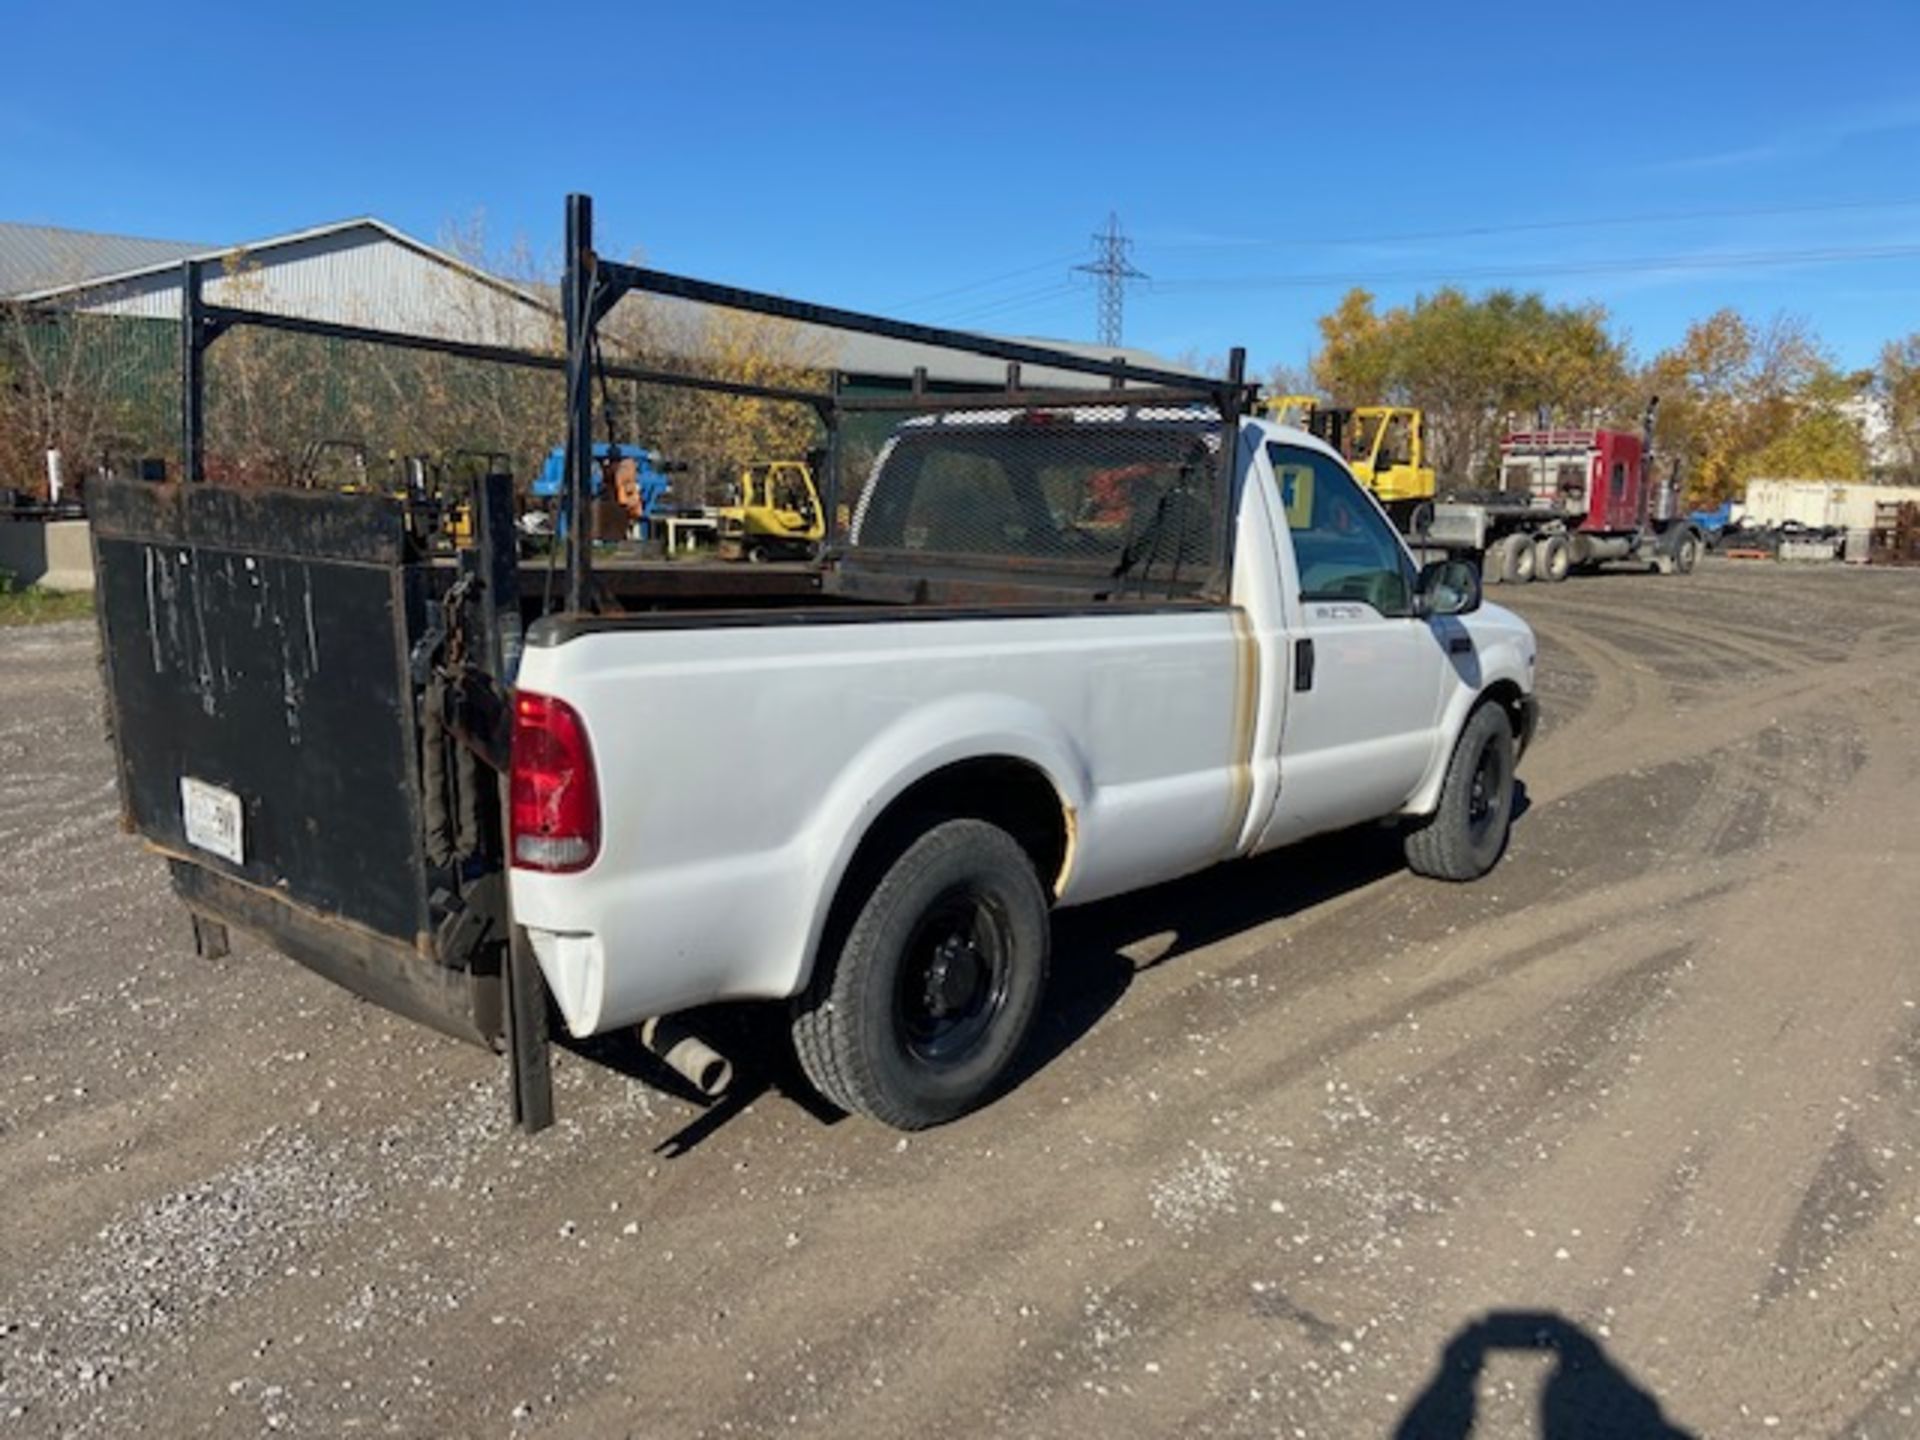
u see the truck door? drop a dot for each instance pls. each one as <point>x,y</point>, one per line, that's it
<point>1362,714</point>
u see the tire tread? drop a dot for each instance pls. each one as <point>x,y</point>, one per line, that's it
<point>826,1038</point>
<point>1440,848</point>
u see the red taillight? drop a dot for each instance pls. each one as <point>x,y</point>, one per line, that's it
<point>555,800</point>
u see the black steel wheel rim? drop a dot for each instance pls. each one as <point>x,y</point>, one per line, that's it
<point>954,978</point>
<point>1484,800</point>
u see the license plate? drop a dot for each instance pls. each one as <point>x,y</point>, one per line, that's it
<point>213,819</point>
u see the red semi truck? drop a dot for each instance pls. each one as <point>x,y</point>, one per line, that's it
<point>1568,500</point>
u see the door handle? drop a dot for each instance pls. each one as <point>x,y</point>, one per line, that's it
<point>1303,665</point>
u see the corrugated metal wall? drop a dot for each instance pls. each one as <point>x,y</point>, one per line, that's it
<point>359,276</point>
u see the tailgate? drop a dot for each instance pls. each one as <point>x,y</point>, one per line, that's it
<point>267,655</point>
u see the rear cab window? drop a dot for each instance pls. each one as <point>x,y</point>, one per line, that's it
<point>1096,494</point>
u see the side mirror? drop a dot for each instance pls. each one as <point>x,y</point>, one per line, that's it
<point>1448,587</point>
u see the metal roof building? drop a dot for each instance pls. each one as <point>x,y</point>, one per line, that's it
<point>358,272</point>
<point>42,257</point>
<point>364,271</point>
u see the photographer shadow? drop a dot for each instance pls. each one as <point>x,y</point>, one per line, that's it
<point>1586,1397</point>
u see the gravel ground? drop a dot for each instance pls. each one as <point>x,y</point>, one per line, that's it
<point>1621,1138</point>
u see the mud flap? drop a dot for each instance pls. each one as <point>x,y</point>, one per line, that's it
<point>529,1051</point>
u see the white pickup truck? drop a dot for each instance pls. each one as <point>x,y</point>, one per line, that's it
<point>1081,633</point>
<point>868,809</point>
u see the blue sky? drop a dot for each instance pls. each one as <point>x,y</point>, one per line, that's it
<point>949,162</point>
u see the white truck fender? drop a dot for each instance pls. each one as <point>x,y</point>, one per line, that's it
<point>917,745</point>
<point>1500,663</point>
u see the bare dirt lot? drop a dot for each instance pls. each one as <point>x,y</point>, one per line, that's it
<point>1622,1137</point>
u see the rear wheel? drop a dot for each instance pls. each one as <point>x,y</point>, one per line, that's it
<point>1465,835</point>
<point>1516,559</point>
<point>924,1009</point>
<point>1552,558</point>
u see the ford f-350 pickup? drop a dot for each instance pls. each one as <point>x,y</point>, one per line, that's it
<point>1068,644</point>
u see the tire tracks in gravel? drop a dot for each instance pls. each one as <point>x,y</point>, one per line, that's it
<point>1571,1032</point>
<point>1597,1051</point>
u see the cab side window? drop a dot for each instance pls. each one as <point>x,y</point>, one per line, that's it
<point>1342,545</point>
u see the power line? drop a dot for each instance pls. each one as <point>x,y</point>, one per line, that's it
<point>1114,269</point>
<point>1019,301</point>
<point>1039,305</point>
<point>1645,264</point>
<point>1522,227</point>
<point>991,280</point>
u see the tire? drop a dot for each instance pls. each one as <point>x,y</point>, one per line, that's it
<point>1466,834</point>
<point>1552,558</point>
<point>1516,559</point>
<point>1686,554</point>
<point>920,1015</point>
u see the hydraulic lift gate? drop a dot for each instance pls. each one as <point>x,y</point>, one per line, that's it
<point>279,645</point>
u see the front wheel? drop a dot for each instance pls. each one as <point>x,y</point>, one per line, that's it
<point>1465,835</point>
<point>923,1011</point>
<point>1686,554</point>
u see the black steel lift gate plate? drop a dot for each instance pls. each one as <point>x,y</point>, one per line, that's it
<point>260,641</point>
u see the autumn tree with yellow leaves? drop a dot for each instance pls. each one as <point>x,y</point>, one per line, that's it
<point>1741,401</point>
<point>1896,384</point>
<point>1474,365</point>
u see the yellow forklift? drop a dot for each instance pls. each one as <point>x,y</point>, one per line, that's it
<point>773,513</point>
<point>440,500</point>
<point>1385,445</point>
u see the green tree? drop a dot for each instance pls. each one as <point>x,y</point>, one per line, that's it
<point>1474,364</point>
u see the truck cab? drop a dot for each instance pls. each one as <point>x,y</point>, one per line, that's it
<point>1595,478</point>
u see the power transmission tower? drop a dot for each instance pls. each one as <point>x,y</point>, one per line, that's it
<point>1115,270</point>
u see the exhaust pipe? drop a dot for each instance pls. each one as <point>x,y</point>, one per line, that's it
<point>690,1057</point>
